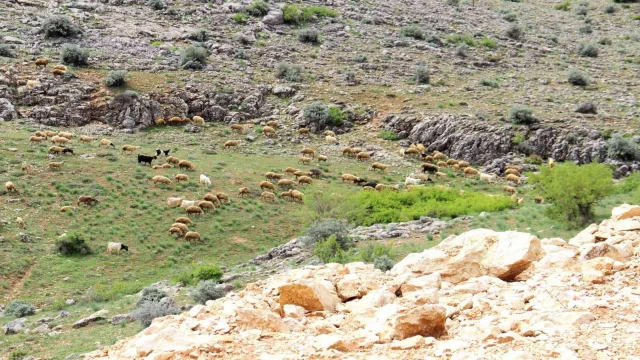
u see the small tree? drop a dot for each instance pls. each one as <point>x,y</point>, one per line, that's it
<point>207,290</point>
<point>75,55</point>
<point>621,148</point>
<point>59,26</point>
<point>19,308</point>
<point>116,78</point>
<point>207,272</point>
<point>577,78</point>
<point>522,115</point>
<point>422,75</point>
<point>193,57</point>
<point>317,112</point>
<point>72,244</point>
<point>572,190</point>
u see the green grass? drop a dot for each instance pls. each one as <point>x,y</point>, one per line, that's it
<point>460,38</point>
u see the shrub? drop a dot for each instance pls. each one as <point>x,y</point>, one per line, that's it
<point>388,135</point>
<point>510,17</point>
<point>360,58</point>
<point>6,51</point>
<point>422,75</point>
<point>321,230</point>
<point>240,18</point>
<point>337,115</point>
<point>629,184</point>
<point>59,26</point>
<point>193,57</point>
<point>490,83</point>
<point>461,50</point>
<point>384,263</point>
<point>258,8</point>
<point>533,159</point>
<point>207,290</point>
<point>350,76</point>
<point>116,78</point>
<point>610,9</point>
<point>370,251</point>
<point>581,10</point>
<point>577,78</point>
<point>572,190</point>
<point>563,6</point>
<point>18,355</point>
<point>72,244</point>
<point>294,15</point>
<point>19,308</point>
<point>289,72</point>
<point>514,31</point>
<point>521,115</point>
<point>412,31</point>
<point>291,14</point>
<point>308,36</point>
<point>151,310</point>
<point>621,148</point>
<point>573,138</point>
<point>488,42</point>
<point>588,50</point>
<point>460,38</point>
<point>587,108</point>
<point>151,294</point>
<point>605,41</point>
<point>207,272</point>
<point>199,35</point>
<point>585,29</point>
<point>74,55</point>
<point>240,54</point>
<point>157,4</point>
<point>331,251</point>
<point>317,112</point>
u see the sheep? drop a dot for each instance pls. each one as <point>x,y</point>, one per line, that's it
<point>194,210</point>
<point>268,131</point>
<point>411,181</point>
<point>538,200</point>
<point>439,156</point>
<point>49,133</point>
<point>329,133</point>
<point>346,151</point>
<point>10,187</point>
<point>65,135</point>
<point>21,223</point>
<point>86,139</point>
<point>512,171</point>
<point>304,160</point>
<point>420,147</point>
<point>56,165</point>
<point>59,150</point>
<point>189,203</point>
<point>551,163</point>
<point>87,200</point>
<point>146,159</point>
<point>184,220</point>
<point>290,170</point>
<point>192,236</point>
<point>231,143</point>
<point>331,139</point>
<point>59,140</point>
<point>267,184</point>
<point>266,195</point>
<point>106,142</point>
<point>513,178</point>
<point>305,180</point>
<point>166,166</point>
<point>67,208</point>
<point>377,165</point>
<point>272,123</point>
<point>315,173</point>
<point>185,164</point>
<point>381,187</point>
<point>512,167</point>
<point>206,205</point>
<point>244,191</point>
<point>205,180</point>
<point>198,120</point>
<point>470,171</point>
<point>237,128</point>
<point>442,164</point>
<point>322,158</point>
<point>488,178</point>
<point>509,189</point>
<point>412,151</point>
<point>273,176</point>
<point>129,148</point>
<point>303,131</point>
<point>299,173</point>
<point>363,156</point>
<point>180,226</point>
<point>159,121</point>
<point>41,134</point>
<point>37,139</point>
<point>286,183</point>
<point>60,67</point>
<point>440,174</point>
<point>349,177</point>
<point>452,162</point>
<point>174,201</point>
<point>214,199</point>
<point>160,179</point>
<point>173,160</point>
<point>463,164</point>
<point>223,197</point>
<point>297,195</point>
<point>286,194</point>
<point>181,177</point>
<point>176,231</point>
<point>26,168</point>
<point>455,168</point>
<point>58,72</point>
<point>427,167</point>
<point>368,188</point>
<point>308,151</point>
<point>116,247</point>
<point>175,120</point>
<point>370,184</point>
<point>426,158</point>
<point>41,62</point>
<point>157,167</point>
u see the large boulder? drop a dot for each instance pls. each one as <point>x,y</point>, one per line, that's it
<point>15,326</point>
<point>248,319</point>
<point>311,294</point>
<point>625,211</point>
<point>394,322</point>
<point>131,111</point>
<point>274,17</point>
<point>475,253</point>
<point>97,316</point>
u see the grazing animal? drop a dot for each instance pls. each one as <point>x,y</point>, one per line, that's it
<point>512,171</point>
<point>42,62</point>
<point>440,175</point>
<point>538,200</point>
<point>159,121</point>
<point>157,167</point>
<point>455,167</point>
<point>59,140</point>
<point>452,162</point>
<point>194,210</point>
<point>371,184</point>
<point>437,155</point>
<point>290,170</point>
<point>299,173</point>
<point>21,223</point>
<point>286,183</point>
<point>363,156</point>
<point>427,167</point>
<point>181,177</point>
<point>488,178</point>
<point>223,197</point>
<point>346,151</point>
<point>379,166</point>
<point>331,139</point>
<point>411,181</point>
<point>206,205</point>
<point>180,226</point>
<point>304,131</point>
<point>267,185</point>
<point>145,159</point>
<point>237,128</point>
<point>305,180</point>
<point>509,189</point>
<point>27,168</point>
<point>49,133</point>
<point>58,72</point>
<point>37,139</point>
<point>412,151</point>
<point>368,188</point>
<point>56,165</point>
<point>329,133</point>
<point>349,177</point>
<point>205,180</point>
<point>470,171</point>
<point>272,123</point>
<point>41,134</point>
<point>266,195</point>
<point>192,236</point>
<point>513,178</point>
<point>188,203</point>
<point>116,247</point>
<point>60,67</point>
<point>67,208</point>
<point>442,164</point>
<point>106,142</point>
<point>286,194</point>
<point>158,152</point>
<point>231,143</point>
<point>173,160</point>
<point>463,164</point>
<point>304,160</point>
<point>198,120</point>
<point>166,152</point>
<point>56,149</point>
<point>185,164</point>
<point>129,148</point>
<point>166,166</point>
<point>268,131</point>
<point>210,197</point>
<point>551,163</point>
<point>184,220</point>
<point>86,139</point>
<point>308,152</point>
<point>273,176</point>
<point>66,135</point>
<point>322,158</point>
<point>174,201</point>
<point>176,231</point>
<point>244,191</point>
<point>87,200</point>
<point>160,179</point>
<point>297,195</point>
<point>315,173</point>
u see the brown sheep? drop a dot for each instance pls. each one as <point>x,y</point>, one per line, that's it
<point>166,166</point>
<point>315,173</point>
<point>60,67</point>
<point>322,158</point>
<point>180,226</point>
<point>266,195</point>
<point>290,170</point>
<point>286,183</point>
<point>297,195</point>
<point>206,205</point>
<point>41,134</point>
<point>349,177</point>
<point>237,128</point>
<point>268,131</point>
<point>57,149</point>
<point>58,72</point>
<point>355,151</point>
<point>67,208</point>
<point>66,135</point>
<point>551,163</point>
<point>21,223</point>
<point>305,180</point>
<point>299,173</point>
<point>192,236</point>
<point>129,148</point>
<point>512,167</point>
<point>367,188</point>
<point>379,166</point>
<point>509,189</point>
<point>175,120</point>
<point>427,158</point>
<point>159,121</point>
<point>86,139</point>
<point>37,139</point>
<point>87,200</point>
<point>106,142</point>
<point>42,62</point>
<point>304,131</point>
<point>470,171</point>
<point>513,178</point>
<point>56,165</point>
<point>455,167</point>
<point>286,194</point>
<point>329,133</point>
<point>442,164</point>
<point>427,167</point>
<point>439,156</point>
<point>538,200</point>
<point>198,120</point>
<point>244,191</point>
<point>194,210</point>
<point>440,174</point>
<point>10,187</point>
<point>49,133</point>
<point>266,184</point>
<point>363,156</point>
<point>412,151</point>
<point>308,151</point>
<point>210,197</point>
<point>346,151</point>
<point>173,160</point>
<point>304,160</point>
<point>420,147</point>
<point>231,143</point>
<point>157,167</point>
<point>59,140</point>
<point>185,164</point>
<point>181,177</point>
<point>452,162</point>
<point>512,171</point>
<point>272,123</point>
<point>274,176</point>
<point>176,231</point>
<point>223,197</point>
<point>184,220</point>
<point>160,179</point>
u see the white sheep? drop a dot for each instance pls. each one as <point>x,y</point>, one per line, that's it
<point>116,247</point>
<point>411,181</point>
<point>205,180</point>
<point>488,178</point>
<point>187,203</point>
<point>175,201</point>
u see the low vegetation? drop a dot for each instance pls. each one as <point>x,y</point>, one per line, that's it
<point>60,26</point>
<point>75,55</point>
<point>193,57</point>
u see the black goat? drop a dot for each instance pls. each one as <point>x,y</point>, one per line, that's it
<point>371,183</point>
<point>146,159</point>
<point>166,152</point>
<point>158,152</point>
<point>67,150</point>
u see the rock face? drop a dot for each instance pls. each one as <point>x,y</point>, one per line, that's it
<point>99,315</point>
<point>15,326</point>
<point>558,301</point>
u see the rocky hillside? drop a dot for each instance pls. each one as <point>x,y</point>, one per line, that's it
<point>494,295</point>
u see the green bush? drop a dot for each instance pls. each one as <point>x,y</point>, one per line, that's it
<point>240,18</point>
<point>572,190</point>
<point>321,230</point>
<point>151,310</point>
<point>610,9</point>
<point>621,148</point>
<point>388,135</point>
<point>74,55</point>
<point>18,355</point>
<point>289,72</point>
<point>510,17</point>
<point>157,4</point>
<point>331,251</point>
<point>581,10</point>
<point>151,294</point>
<point>629,184</point>
<point>360,58</point>
<point>434,201</point>
<point>588,50</point>
<point>577,78</point>
<point>59,26</point>
<point>384,263</point>
<point>258,8</point>
<point>193,57</point>
<point>412,31</point>
<point>460,38</point>
<point>199,35</point>
<point>308,36</point>
<point>605,41</point>
<point>522,115</point>
<point>19,308</point>
<point>493,83</point>
<point>72,244</point>
<point>318,113</point>
<point>6,51</point>
<point>514,31</point>
<point>585,29</point>
<point>563,6</point>
<point>291,14</point>
<point>422,75</point>
<point>295,15</point>
<point>488,42</point>
<point>462,50</point>
<point>207,290</point>
<point>337,116</point>
<point>116,78</point>
<point>207,272</point>
<point>372,250</point>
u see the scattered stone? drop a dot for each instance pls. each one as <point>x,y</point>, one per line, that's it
<point>15,326</point>
<point>97,316</point>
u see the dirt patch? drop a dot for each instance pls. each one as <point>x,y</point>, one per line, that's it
<point>239,240</point>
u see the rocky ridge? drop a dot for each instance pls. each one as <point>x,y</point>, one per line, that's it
<point>481,294</point>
